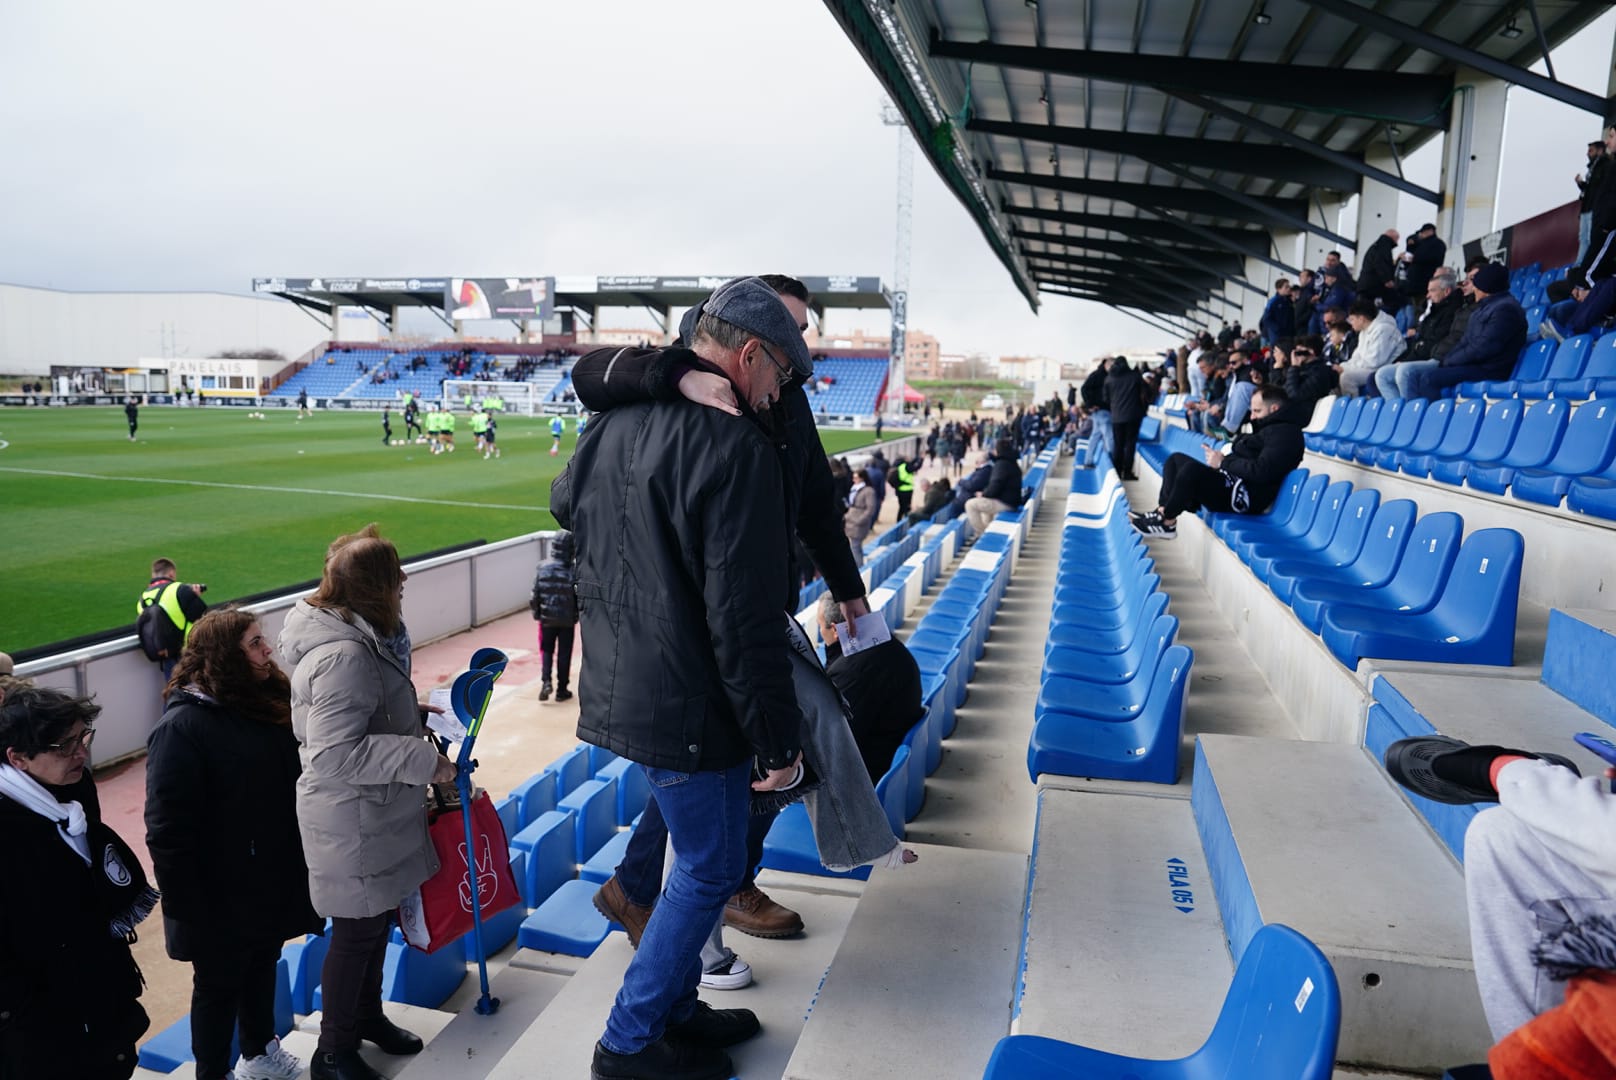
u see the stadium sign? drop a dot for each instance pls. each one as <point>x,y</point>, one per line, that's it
<point>500,298</point>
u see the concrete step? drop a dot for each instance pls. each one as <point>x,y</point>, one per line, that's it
<point>1479,706</point>
<point>472,1045</point>
<point>1315,836</point>
<point>559,1043</point>
<point>922,982</point>
<point>1125,950</point>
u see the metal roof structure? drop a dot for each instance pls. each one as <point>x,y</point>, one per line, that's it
<point>1138,153</point>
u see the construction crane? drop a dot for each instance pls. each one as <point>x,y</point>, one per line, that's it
<point>897,373</point>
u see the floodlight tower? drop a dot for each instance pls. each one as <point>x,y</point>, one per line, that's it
<point>897,374</point>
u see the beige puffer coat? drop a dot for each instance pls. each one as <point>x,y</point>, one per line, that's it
<point>361,800</point>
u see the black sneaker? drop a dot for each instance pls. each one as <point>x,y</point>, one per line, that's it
<point>1446,770</point>
<point>563,694</point>
<point>1154,526</point>
<point>544,691</point>
<point>662,1060</point>
<point>708,1026</point>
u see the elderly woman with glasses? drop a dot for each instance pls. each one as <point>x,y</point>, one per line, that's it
<point>71,895</point>
<point>221,827</point>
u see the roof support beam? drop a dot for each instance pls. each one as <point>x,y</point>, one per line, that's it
<point>1273,208</point>
<point>1148,322</point>
<point>1119,302</point>
<point>1250,159</point>
<point>1207,234</point>
<point>1239,242</point>
<point>1122,247</point>
<point>1452,50</point>
<point>1351,162</point>
<point>1126,287</point>
<point>1156,271</point>
<point>1189,200</point>
<point>1396,96</point>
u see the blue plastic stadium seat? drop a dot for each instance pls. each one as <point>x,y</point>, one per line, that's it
<point>1473,621</point>
<point>1460,434</point>
<point>1142,747</point>
<point>1587,450</point>
<point>1569,362</point>
<point>537,796</point>
<point>1332,423</point>
<point>633,789</point>
<point>1284,505</point>
<point>1601,366</point>
<point>1433,424</point>
<point>599,758</point>
<point>939,715</point>
<point>917,740</point>
<point>1410,412</point>
<point>500,928</point>
<point>1493,438</point>
<point>1066,630</point>
<point>417,978</point>
<point>603,863</point>
<point>1350,415</point>
<point>1532,365</point>
<point>1427,559</point>
<point>170,1049</point>
<point>509,810</point>
<point>566,922</point>
<point>1261,555</point>
<point>1280,1021</point>
<point>1243,535</point>
<point>550,848</point>
<point>571,769</point>
<point>1122,667</point>
<point>595,804</point>
<point>1362,518</point>
<point>305,960</point>
<point>1386,423</point>
<point>790,843</point>
<point>1542,427</point>
<point>1368,415</point>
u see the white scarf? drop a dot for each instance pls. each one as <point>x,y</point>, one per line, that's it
<point>69,817</point>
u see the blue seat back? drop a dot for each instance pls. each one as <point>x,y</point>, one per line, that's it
<point>1484,586</point>
<point>1351,528</point>
<point>1385,422</point>
<point>536,795</point>
<point>1338,412</point>
<point>571,769</point>
<point>595,803</point>
<point>1285,503</point>
<point>1433,544</point>
<point>1307,507</point>
<point>1601,359</point>
<point>1590,439</point>
<point>1385,542</point>
<point>1282,1016</point>
<point>1570,358</point>
<point>1410,414</point>
<point>1496,431</point>
<point>1543,425</point>
<point>1462,428</point>
<point>1331,504</point>
<point>1533,363</point>
<point>1368,417</point>
<point>1433,425</point>
<point>892,790</point>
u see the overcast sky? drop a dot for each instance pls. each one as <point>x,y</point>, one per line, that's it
<point>193,144</point>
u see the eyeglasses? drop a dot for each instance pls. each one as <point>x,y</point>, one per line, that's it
<point>782,371</point>
<point>69,747</point>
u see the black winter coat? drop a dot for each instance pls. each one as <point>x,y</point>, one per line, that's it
<point>1379,265</point>
<point>554,603</point>
<point>1265,457</point>
<point>69,990</point>
<point>1310,382</point>
<point>1434,328</point>
<point>681,578</point>
<point>606,378</point>
<point>1125,395</point>
<point>1428,255</point>
<point>1004,482</point>
<point>882,688</point>
<point>221,827</point>
<point>1093,391</point>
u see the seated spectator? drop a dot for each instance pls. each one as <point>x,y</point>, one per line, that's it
<point>1540,881</point>
<point>1585,309</point>
<point>1492,339</point>
<point>1379,344</point>
<point>881,684</point>
<point>970,486</point>
<point>1002,492</point>
<point>1245,480</point>
<point>1445,302</point>
<point>1307,376</point>
<point>934,495</point>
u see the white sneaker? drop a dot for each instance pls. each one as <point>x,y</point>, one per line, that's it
<point>275,1063</point>
<point>732,974</point>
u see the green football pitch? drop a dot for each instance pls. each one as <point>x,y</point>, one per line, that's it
<point>241,504</point>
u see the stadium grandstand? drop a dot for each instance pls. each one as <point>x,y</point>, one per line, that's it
<point>1158,833</point>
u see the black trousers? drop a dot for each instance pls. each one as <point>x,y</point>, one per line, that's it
<point>351,980</point>
<point>1125,438</point>
<point>554,640</point>
<point>1188,484</point>
<point>231,987</point>
<point>904,498</point>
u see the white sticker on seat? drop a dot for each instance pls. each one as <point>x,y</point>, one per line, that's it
<point>1304,993</point>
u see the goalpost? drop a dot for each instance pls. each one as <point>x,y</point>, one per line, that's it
<point>519,397</point>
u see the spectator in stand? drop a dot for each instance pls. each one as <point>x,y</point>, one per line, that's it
<point>1599,261</point>
<point>881,685</point>
<point>1332,261</point>
<point>1244,481</point>
<point>1240,384</point>
<point>1588,185</point>
<point>1586,308</point>
<point>934,495</point>
<point>221,827</point>
<point>69,902</point>
<point>1307,376</point>
<point>1444,301</point>
<point>554,603</point>
<point>876,467</point>
<point>861,511</point>
<point>1093,395</point>
<point>1492,341</point>
<point>1424,259</point>
<point>1279,316</point>
<point>1304,304</point>
<point>1337,293</point>
<point>1376,279</point>
<point>1001,494</point>
<point>971,486</point>
<point>1125,400</point>
<point>1378,345</point>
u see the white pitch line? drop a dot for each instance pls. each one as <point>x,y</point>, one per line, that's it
<point>268,487</point>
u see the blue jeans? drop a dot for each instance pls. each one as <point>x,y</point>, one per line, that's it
<point>1102,432</point>
<point>1397,380</point>
<point>706,814</point>
<point>640,872</point>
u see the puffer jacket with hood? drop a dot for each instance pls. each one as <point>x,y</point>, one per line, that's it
<point>361,798</point>
<point>555,594</point>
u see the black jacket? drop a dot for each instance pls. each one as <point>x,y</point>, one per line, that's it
<point>605,378</point>
<point>1434,328</point>
<point>69,990</point>
<point>1428,255</point>
<point>1311,381</point>
<point>882,688</point>
<point>1379,264</point>
<point>221,827</point>
<point>681,576</point>
<point>1125,394</point>
<point>1004,482</point>
<point>1093,391</point>
<point>1265,457</point>
<point>554,601</point>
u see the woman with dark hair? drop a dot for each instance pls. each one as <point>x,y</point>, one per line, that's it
<point>361,798</point>
<point>70,898</point>
<point>221,826</point>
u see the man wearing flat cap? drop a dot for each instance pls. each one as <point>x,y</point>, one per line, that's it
<point>680,526</point>
<point>1492,341</point>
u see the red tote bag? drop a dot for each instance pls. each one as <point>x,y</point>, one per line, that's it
<point>440,911</point>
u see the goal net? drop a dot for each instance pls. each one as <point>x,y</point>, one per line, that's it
<point>517,397</point>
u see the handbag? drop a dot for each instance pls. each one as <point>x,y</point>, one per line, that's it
<point>439,912</point>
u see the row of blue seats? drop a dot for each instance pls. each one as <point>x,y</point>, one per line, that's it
<point>1541,453</point>
<point>1111,700</point>
<point>1578,368</point>
<point>1374,582</point>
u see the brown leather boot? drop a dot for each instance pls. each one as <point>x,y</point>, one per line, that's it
<point>612,902</point>
<point>752,912</point>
